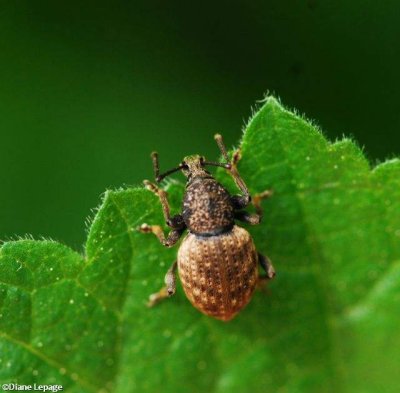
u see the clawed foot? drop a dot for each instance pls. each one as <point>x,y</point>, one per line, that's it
<point>270,272</point>
<point>163,293</point>
<point>150,186</point>
<point>145,228</point>
<point>237,155</point>
<point>265,278</point>
<point>259,197</point>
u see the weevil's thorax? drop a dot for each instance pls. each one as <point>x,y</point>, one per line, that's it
<point>207,207</point>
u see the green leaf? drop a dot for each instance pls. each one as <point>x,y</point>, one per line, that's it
<point>329,322</point>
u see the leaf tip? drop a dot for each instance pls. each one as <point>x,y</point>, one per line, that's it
<point>269,102</point>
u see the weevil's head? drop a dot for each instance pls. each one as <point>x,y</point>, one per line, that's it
<point>193,166</point>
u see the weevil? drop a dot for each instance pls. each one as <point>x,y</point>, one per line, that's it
<point>217,260</point>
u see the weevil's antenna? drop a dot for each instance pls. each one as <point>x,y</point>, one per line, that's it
<point>165,174</point>
<point>156,167</point>
<point>220,143</point>
<point>221,164</point>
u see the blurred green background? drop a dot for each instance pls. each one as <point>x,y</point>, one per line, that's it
<point>90,88</point>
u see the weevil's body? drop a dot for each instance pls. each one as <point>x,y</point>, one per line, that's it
<point>217,260</point>
<point>219,273</point>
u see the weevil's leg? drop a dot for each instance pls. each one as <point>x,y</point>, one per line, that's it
<point>267,267</point>
<point>239,201</point>
<point>170,279</point>
<point>168,241</point>
<point>175,222</point>
<point>156,165</point>
<point>168,290</point>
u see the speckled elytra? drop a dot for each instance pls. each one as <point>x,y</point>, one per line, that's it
<point>217,260</point>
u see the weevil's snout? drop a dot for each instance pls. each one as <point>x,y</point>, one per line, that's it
<point>193,166</point>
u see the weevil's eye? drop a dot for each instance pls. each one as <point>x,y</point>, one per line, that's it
<point>202,160</point>
<point>184,165</point>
